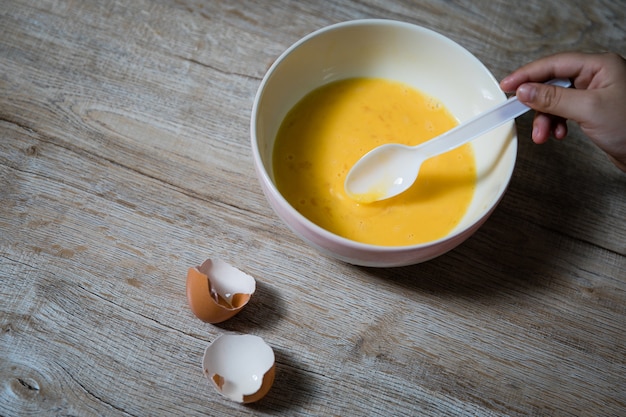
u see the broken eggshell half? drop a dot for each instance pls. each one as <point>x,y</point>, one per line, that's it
<point>216,291</point>
<point>241,367</point>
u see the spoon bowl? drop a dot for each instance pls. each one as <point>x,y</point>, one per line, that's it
<point>391,169</point>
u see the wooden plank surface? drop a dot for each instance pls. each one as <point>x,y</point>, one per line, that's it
<point>125,159</point>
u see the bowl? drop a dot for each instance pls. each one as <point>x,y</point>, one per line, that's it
<point>399,51</point>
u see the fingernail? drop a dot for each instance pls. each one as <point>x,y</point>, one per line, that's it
<point>504,84</point>
<point>526,93</point>
<point>505,79</point>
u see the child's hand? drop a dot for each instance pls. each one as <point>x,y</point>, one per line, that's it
<point>597,103</point>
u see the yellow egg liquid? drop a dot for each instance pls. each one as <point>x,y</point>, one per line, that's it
<point>332,127</point>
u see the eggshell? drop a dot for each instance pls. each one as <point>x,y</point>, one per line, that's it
<point>216,291</point>
<point>241,367</point>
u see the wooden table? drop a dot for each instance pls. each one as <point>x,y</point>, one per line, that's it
<point>125,159</point>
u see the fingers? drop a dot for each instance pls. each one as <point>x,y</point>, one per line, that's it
<point>553,104</point>
<point>596,103</point>
<point>541,128</point>
<point>559,131</point>
<point>561,102</point>
<point>573,65</point>
<point>545,125</point>
<point>572,104</point>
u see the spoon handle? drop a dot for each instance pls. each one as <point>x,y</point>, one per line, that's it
<point>480,124</point>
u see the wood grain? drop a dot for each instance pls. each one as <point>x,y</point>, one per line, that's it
<point>125,159</point>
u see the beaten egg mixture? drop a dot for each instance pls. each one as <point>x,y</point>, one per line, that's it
<point>327,132</point>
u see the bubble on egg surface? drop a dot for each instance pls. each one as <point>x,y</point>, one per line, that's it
<point>241,367</point>
<point>216,291</point>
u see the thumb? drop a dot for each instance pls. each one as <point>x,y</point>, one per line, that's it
<point>550,99</point>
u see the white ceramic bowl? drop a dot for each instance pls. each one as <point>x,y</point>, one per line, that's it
<point>398,51</point>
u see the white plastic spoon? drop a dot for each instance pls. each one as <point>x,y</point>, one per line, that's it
<point>391,169</point>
